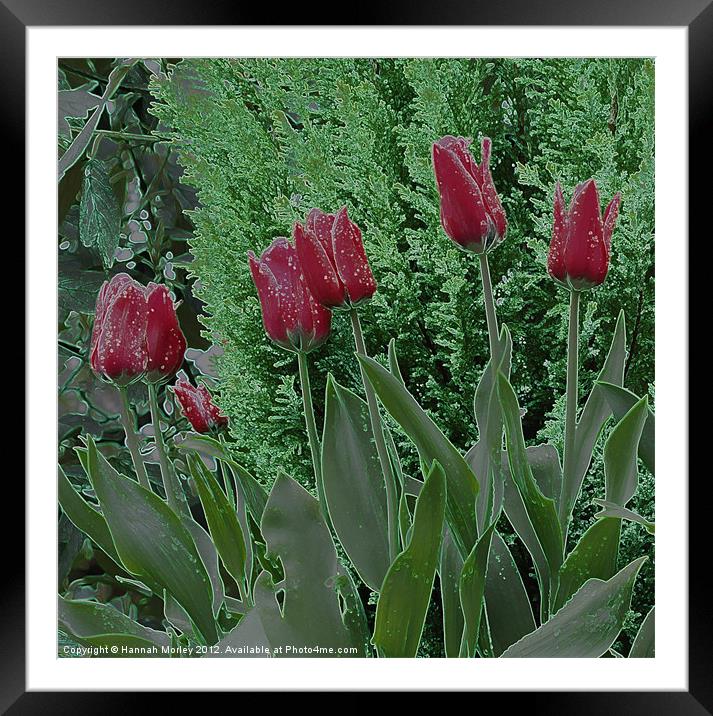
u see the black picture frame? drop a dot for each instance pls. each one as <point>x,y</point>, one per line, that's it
<point>696,15</point>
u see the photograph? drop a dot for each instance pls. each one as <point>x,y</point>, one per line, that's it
<point>356,357</point>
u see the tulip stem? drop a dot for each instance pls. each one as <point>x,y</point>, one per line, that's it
<point>174,494</point>
<point>312,435</point>
<point>570,424</point>
<point>132,442</point>
<point>378,432</point>
<point>490,315</point>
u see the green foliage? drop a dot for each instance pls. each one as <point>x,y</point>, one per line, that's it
<point>264,140</point>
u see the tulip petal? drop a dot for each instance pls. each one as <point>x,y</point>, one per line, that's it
<point>319,271</point>
<point>120,352</point>
<point>198,406</point>
<point>463,213</point>
<point>269,295</point>
<point>555,256</point>
<point>490,194</point>
<point>350,258</point>
<point>165,341</point>
<point>610,215</point>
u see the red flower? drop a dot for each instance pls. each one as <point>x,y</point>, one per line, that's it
<point>165,341</point>
<point>333,259</point>
<point>197,405</point>
<point>471,212</point>
<point>118,346</point>
<point>579,251</point>
<point>136,332</point>
<point>291,316</point>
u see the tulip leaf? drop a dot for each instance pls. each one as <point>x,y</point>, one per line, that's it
<point>432,445</point>
<point>449,571</point>
<point>84,517</point>
<point>406,592</point>
<point>222,521</point>
<point>99,212</point>
<point>484,456</point>
<point>645,641</point>
<point>507,606</point>
<point>100,625</point>
<point>309,613</point>
<point>541,510</point>
<point>545,466</point>
<point>246,641</point>
<point>594,556</point>
<point>594,414</point>
<point>250,489</point>
<point>621,471</point>
<point>472,589</point>
<point>612,510</point>
<point>354,484</point>
<point>152,542</point>
<point>588,624</point>
<point>621,401</point>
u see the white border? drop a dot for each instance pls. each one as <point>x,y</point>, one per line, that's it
<point>668,670</point>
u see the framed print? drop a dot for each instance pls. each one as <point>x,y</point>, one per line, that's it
<point>366,336</point>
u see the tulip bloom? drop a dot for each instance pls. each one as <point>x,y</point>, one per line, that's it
<point>198,406</point>
<point>135,333</point>
<point>291,316</point>
<point>333,259</point>
<point>471,212</point>
<point>581,239</point>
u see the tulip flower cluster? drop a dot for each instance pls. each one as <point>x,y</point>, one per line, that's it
<point>136,335</point>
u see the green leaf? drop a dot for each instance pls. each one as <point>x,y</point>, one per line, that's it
<point>100,625</point>
<point>621,452</point>
<point>594,556</point>
<point>85,517</point>
<point>449,571</point>
<point>152,542</point>
<point>73,103</point>
<point>251,491</point>
<point>222,521</point>
<point>354,484</point>
<point>545,466</point>
<point>432,445</point>
<point>507,606</point>
<point>99,212</point>
<point>588,624</point>
<point>310,614</point>
<point>620,402</point>
<point>541,510</point>
<point>472,589</point>
<point>645,641</point>
<point>594,414</point>
<point>406,592</point>
<point>613,510</point>
<point>484,456</point>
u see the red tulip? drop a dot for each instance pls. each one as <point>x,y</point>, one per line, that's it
<point>118,345</point>
<point>471,212</point>
<point>291,316</point>
<point>197,405</point>
<point>579,251</point>
<point>136,332</point>
<point>165,341</point>
<point>333,259</point>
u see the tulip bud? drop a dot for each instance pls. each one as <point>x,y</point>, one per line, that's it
<point>165,341</point>
<point>291,316</point>
<point>579,251</point>
<point>197,405</point>
<point>333,259</point>
<point>118,344</point>
<point>471,212</point>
